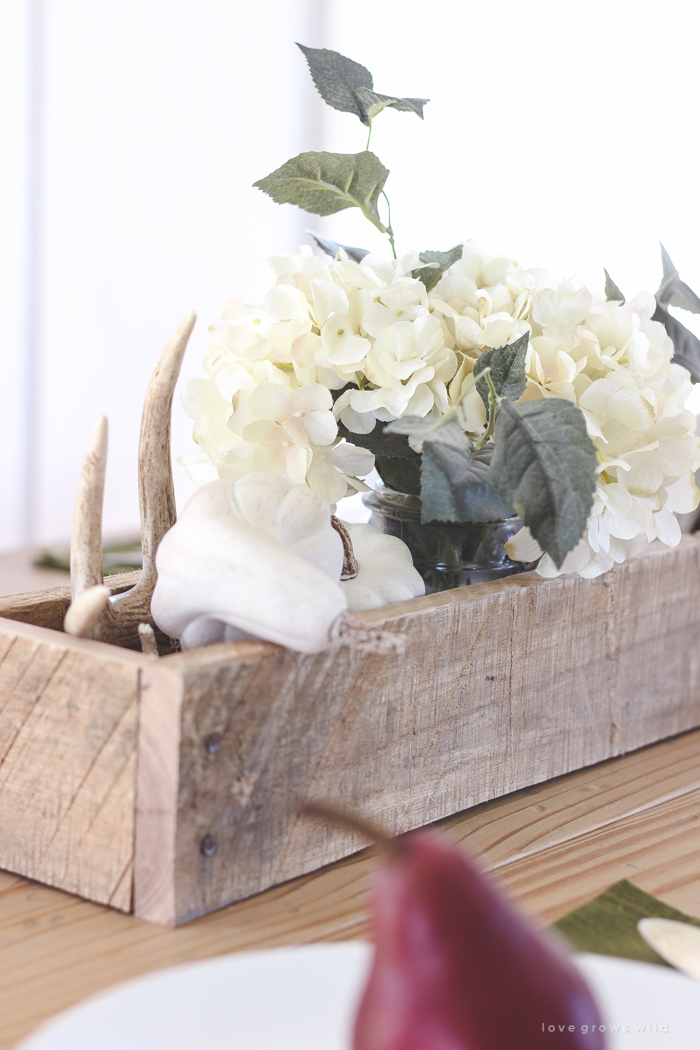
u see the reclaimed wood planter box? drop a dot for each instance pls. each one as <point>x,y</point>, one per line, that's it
<point>171,786</point>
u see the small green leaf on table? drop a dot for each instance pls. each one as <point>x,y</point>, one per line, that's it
<point>544,467</point>
<point>325,183</point>
<point>608,924</point>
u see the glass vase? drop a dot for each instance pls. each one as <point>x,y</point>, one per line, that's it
<point>446,554</point>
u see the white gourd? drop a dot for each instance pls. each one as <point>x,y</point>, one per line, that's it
<point>257,557</point>
<point>385,570</point>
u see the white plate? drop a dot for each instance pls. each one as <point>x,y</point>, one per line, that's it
<point>305,999</point>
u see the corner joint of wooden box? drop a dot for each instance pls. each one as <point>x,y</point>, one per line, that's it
<point>157,782</point>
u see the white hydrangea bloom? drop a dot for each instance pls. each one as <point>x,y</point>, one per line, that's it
<point>614,362</point>
<point>370,334</point>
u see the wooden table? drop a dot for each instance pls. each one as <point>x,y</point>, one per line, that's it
<point>552,847</point>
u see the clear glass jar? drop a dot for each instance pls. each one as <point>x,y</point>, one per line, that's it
<point>446,554</point>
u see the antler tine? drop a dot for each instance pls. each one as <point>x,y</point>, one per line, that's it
<point>86,535</point>
<point>85,611</point>
<point>122,616</point>
<point>156,491</point>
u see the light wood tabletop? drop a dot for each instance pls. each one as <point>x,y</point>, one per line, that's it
<point>552,847</point>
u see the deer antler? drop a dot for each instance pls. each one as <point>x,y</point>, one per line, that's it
<point>86,537</point>
<point>118,621</point>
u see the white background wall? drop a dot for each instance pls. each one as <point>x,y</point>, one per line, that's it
<point>131,131</point>
<point>152,118</point>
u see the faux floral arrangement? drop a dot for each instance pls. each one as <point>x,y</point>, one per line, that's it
<point>486,389</point>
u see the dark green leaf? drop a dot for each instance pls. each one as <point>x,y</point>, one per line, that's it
<point>455,482</point>
<point>332,247</point>
<point>414,426</point>
<point>544,467</point>
<point>373,103</point>
<point>338,79</point>
<point>507,364</point>
<point>436,264</point>
<point>673,291</point>
<point>686,346</point>
<point>324,183</point>
<point>612,292</point>
<point>454,479</point>
<point>400,473</point>
<point>388,445</point>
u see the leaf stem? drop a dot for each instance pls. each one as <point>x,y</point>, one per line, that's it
<point>493,402</point>
<point>369,133</point>
<point>389,231</point>
<point>454,412</point>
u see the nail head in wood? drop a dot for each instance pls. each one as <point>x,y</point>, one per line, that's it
<point>208,846</point>
<point>212,743</point>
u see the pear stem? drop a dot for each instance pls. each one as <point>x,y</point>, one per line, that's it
<point>335,815</point>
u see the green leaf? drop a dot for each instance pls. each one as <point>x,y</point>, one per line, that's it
<point>544,467</point>
<point>381,441</point>
<point>414,426</point>
<point>348,86</point>
<point>507,364</point>
<point>455,482</point>
<point>338,80</point>
<point>332,247</point>
<point>686,346</point>
<point>324,183</point>
<point>673,291</point>
<point>612,292</point>
<point>402,474</point>
<point>436,264</point>
<point>373,103</point>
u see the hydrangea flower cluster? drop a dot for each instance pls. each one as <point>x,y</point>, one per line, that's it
<point>373,334</point>
<point>614,362</point>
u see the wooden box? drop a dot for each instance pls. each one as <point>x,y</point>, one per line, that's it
<point>171,786</point>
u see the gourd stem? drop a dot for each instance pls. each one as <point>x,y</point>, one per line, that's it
<point>350,566</point>
<point>356,634</point>
<point>335,815</point>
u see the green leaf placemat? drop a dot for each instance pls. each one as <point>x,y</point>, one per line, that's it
<point>607,925</point>
<point>120,557</point>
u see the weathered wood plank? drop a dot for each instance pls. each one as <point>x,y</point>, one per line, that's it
<point>48,607</point>
<point>503,685</point>
<point>68,725</point>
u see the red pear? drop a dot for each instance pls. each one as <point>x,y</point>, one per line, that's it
<point>457,967</point>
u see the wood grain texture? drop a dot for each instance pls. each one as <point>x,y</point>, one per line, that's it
<point>48,607</point>
<point>554,846</point>
<point>68,727</point>
<point>503,685</point>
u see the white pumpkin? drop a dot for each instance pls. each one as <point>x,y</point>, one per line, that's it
<point>385,570</point>
<point>257,557</point>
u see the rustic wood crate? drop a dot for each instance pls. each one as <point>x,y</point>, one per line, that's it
<point>171,786</point>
